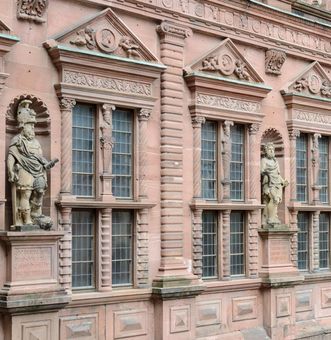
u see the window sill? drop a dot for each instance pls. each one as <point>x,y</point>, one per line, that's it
<point>232,285</point>
<point>234,205</point>
<point>320,276</point>
<point>299,206</point>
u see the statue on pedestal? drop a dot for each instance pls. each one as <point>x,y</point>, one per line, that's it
<point>27,172</point>
<point>272,186</point>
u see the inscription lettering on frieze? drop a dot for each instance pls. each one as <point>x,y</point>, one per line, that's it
<point>244,22</point>
<point>314,117</point>
<point>32,263</point>
<point>228,103</point>
<point>113,84</point>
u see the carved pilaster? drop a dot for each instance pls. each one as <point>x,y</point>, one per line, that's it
<point>66,106</point>
<point>226,244</point>
<point>143,117</point>
<point>254,160</point>
<point>293,134</point>
<point>294,237</point>
<point>253,251</point>
<point>105,249</point>
<point>226,158</point>
<point>197,122</point>
<point>197,242</point>
<point>172,33</point>
<point>315,246</point>
<point>142,248</point>
<point>65,244</point>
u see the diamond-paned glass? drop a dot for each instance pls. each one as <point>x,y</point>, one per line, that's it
<point>303,240</point>
<point>122,247</point>
<point>301,167</point>
<point>237,243</point>
<point>323,175</point>
<point>83,154</point>
<point>83,231</point>
<point>324,241</point>
<point>122,159</point>
<point>209,160</point>
<point>209,244</point>
<point>237,162</point>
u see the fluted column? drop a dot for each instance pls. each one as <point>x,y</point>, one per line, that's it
<point>197,122</point>
<point>142,249</point>
<point>226,158</point>
<point>143,117</point>
<point>226,244</point>
<point>254,161</point>
<point>197,242</point>
<point>106,144</point>
<point>293,134</point>
<point>315,239</point>
<point>65,251</point>
<point>253,241</point>
<point>172,38</point>
<point>105,250</point>
<point>66,106</point>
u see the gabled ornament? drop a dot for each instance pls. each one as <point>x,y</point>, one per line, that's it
<point>225,61</point>
<point>4,28</point>
<point>104,33</point>
<point>313,81</point>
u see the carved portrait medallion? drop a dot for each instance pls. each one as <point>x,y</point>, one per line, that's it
<point>226,64</point>
<point>106,40</point>
<point>314,84</point>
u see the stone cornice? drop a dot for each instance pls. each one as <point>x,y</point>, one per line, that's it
<point>117,204</point>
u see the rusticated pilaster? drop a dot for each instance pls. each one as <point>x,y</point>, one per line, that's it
<point>293,134</point>
<point>197,242</point>
<point>65,244</point>
<point>254,160</point>
<point>142,249</point>
<point>226,243</point>
<point>316,246</point>
<point>66,106</point>
<point>105,249</point>
<point>294,237</point>
<point>172,98</point>
<point>197,122</point>
<point>226,157</point>
<point>253,251</point>
<point>143,117</point>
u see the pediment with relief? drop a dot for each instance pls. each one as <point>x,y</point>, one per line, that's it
<point>225,61</point>
<point>104,33</point>
<point>313,81</point>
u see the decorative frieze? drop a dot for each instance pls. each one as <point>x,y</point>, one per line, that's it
<point>274,60</point>
<point>311,117</point>
<point>228,103</point>
<point>32,10</point>
<point>107,83</point>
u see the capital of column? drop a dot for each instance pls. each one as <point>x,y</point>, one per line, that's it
<point>107,109</point>
<point>67,103</point>
<point>197,121</point>
<point>170,31</point>
<point>254,128</point>
<point>144,114</point>
<point>294,133</point>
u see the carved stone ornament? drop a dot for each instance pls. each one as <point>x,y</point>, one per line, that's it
<point>32,10</point>
<point>197,121</point>
<point>144,114</point>
<point>27,173</point>
<point>315,157</point>
<point>67,103</point>
<point>274,60</point>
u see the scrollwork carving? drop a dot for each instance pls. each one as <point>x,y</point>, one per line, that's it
<point>67,103</point>
<point>197,121</point>
<point>85,37</point>
<point>144,114</point>
<point>274,60</point>
<point>32,10</point>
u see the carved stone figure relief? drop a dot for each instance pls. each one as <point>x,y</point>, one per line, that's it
<point>274,61</point>
<point>106,139</point>
<point>27,172</point>
<point>315,159</point>
<point>226,157</point>
<point>32,10</point>
<point>315,85</point>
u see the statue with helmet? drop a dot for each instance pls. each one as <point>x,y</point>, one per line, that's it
<point>27,172</point>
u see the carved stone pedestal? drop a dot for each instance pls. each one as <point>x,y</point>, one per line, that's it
<point>32,285</point>
<point>279,276</point>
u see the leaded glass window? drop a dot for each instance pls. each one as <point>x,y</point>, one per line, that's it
<point>83,231</point>
<point>209,244</point>
<point>301,167</point>
<point>303,240</point>
<point>122,247</point>
<point>237,163</point>
<point>83,155</point>
<point>324,241</point>
<point>122,159</point>
<point>323,182</point>
<point>237,243</point>
<point>209,160</point>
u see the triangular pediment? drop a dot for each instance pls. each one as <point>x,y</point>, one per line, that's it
<point>4,28</point>
<point>312,81</point>
<point>225,61</point>
<point>104,33</point>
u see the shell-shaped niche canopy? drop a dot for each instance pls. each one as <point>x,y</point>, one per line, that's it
<point>272,135</point>
<point>42,127</point>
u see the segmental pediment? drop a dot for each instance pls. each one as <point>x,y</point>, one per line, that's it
<point>313,81</point>
<point>225,61</point>
<point>104,33</point>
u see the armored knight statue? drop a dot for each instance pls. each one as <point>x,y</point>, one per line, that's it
<point>272,186</point>
<point>27,172</point>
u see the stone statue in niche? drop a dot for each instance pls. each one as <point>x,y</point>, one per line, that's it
<point>27,173</point>
<point>272,186</point>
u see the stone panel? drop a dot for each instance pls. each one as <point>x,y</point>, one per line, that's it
<point>180,319</point>
<point>79,327</point>
<point>326,297</point>
<point>130,323</point>
<point>208,313</point>
<point>283,305</point>
<point>304,301</point>
<point>37,330</point>
<point>244,308</point>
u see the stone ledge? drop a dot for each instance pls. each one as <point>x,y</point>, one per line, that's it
<point>169,293</point>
